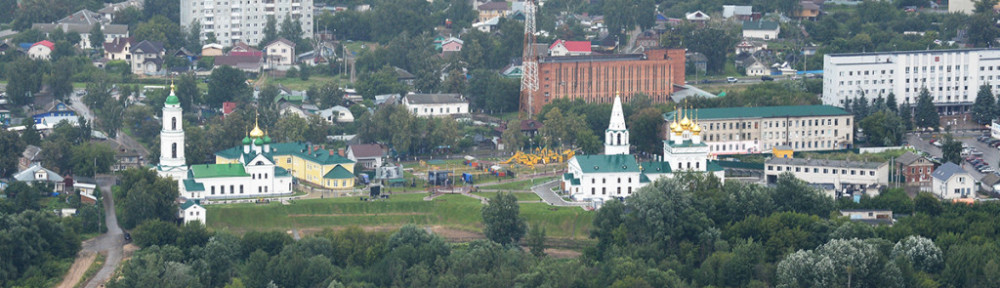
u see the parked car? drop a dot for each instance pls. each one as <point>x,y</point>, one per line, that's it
<point>766,78</point>
<point>732,79</point>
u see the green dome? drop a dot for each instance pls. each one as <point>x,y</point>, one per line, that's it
<point>173,100</point>
<point>267,139</point>
<point>258,142</point>
<point>246,141</point>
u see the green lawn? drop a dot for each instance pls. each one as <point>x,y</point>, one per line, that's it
<point>521,196</point>
<point>451,211</point>
<point>522,185</point>
<point>298,84</point>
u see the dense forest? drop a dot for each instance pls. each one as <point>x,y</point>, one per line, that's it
<point>692,231</point>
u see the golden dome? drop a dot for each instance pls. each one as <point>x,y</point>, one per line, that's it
<point>673,126</point>
<point>256,132</point>
<point>685,122</point>
<point>696,130</point>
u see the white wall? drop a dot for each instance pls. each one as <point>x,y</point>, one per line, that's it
<point>962,182</point>
<point>430,110</point>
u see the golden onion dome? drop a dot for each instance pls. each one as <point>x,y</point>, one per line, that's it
<point>673,126</point>
<point>696,129</point>
<point>685,122</point>
<point>256,132</point>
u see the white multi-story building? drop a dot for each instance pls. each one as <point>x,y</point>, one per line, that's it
<point>748,130</point>
<point>952,77</point>
<point>233,21</point>
<point>834,176</point>
<point>436,105</point>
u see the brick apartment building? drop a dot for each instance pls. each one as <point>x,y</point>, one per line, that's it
<point>596,78</point>
<point>916,170</point>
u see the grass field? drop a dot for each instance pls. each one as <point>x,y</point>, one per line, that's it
<point>521,196</point>
<point>523,185</point>
<point>450,211</point>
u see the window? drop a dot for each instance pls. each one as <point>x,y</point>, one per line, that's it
<point>173,150</point>
<point>241,188</point>
<point>173,123</point>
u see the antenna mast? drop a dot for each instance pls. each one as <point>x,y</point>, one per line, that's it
<point>529,61</point>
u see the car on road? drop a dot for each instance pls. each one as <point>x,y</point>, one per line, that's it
<point>766,78</point>
<point>128,237</point>
<point>732,79</point>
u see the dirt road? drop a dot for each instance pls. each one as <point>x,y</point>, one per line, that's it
<point>83,261</point>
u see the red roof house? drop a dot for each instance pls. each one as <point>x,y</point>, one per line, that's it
<point>569,48</point>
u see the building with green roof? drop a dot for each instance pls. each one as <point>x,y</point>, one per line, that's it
<point>751,130</point>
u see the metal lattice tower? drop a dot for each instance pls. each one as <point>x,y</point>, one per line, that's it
<point>529,61</point>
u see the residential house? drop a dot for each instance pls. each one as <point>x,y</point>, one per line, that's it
<point>648,39</point>
<point>950,181</point>
<point>280,54</point>
<point>757,68</point>
<point>58,113</point>
<point>697,17</point>
<point>111,32</point>
<point>41,50</point>
<point>530,127</point>
<point>245,63</point>
<point>748,46</point>
<point>990,183</point>
<point>108,12</point>
<point>292,109</point>
<point>386,99</point>
<point>511,71</point>
<point>869,216</point>
<point>569,48</point>
<point>118,49</point>
<point>191,211</point>
<point>452,44</point>
<point>488,25</point>
<point>127,158</point>
<point>404,77</point>
<point>37,174</point>
<point>211,50</point>
<point>147,57</point>
<point>431,105</point>
<point>228,108</point>
<point>336,114</point>
<point>808,10</point>
<point>761,29</point>
<point>31,155</point>
<point>915,169</point>
<point>492,10</point>
<point>741,13</point>
<point>368,156</point>
<point>696,59</point>
<point>84,186</point>
<point>244,49</point>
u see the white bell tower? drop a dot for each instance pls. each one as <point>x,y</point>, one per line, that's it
<point>616,136</point>
<point>172,163</point>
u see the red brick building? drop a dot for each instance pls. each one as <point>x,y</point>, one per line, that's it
<point>915,169</point>
<point>596,78</point>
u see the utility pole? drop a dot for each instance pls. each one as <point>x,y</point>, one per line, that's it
<point>529,62</point>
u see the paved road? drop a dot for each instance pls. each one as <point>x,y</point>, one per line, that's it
<point>545,192</point>
<point>122,139</point>
<point>110,242</point>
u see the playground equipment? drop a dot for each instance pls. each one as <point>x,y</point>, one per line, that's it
<point>539,156</point>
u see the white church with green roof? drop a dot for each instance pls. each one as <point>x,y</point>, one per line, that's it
<point>257,168</point>
<point>616,173</point>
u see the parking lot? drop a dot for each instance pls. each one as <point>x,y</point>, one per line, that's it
<point>989,156</point>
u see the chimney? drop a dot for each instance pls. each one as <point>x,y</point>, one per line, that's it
<point>331,152</point>
<point>340,151</point>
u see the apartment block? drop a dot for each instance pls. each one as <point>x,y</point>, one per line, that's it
<point>234,21</point>
<point>952,76</point>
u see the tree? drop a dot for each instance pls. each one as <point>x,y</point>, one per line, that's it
<point>291,29</point>
<point>906,116</point>
<point>143,195</point>
<point>536,240</point>
<point>160,29</point>
<point>981,32</point>
<point>24,78</point>
<point>270,31</point>
<point>10,144</point>
<point>792,194</point>
<point>155,232</point>
<point>327,96</point>
<point>890,103</point>
<point>502,219</point>
<point>644,129</point>
<point>984,110</point>
<point>194,37</point>
<point>91,158</point>
<point>304,72</point>
<point>170,9</point>
<point>713,42</point>
<point>227,84</point>
<point>187,91</point>
<point>883,129</point>
<point>59,81</point>
<point>920,252</point>
<point>951,150</point>
<point>513,138</point>
<point>96,37</point>
<point>926,115</point>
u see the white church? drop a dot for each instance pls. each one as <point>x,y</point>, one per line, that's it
<point>254,174</point>
<point>598,178</point>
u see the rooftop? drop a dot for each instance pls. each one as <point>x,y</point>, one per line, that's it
<point>338,172</point>
<point>760,25</point>
<point>434,98</point>
<point>764,112</point>
<point>218,170</point>
<point>593,58</point>
<point>301,149</point>
<point>946,170</point>
<point>825,163</point>
<point>607,163</point>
